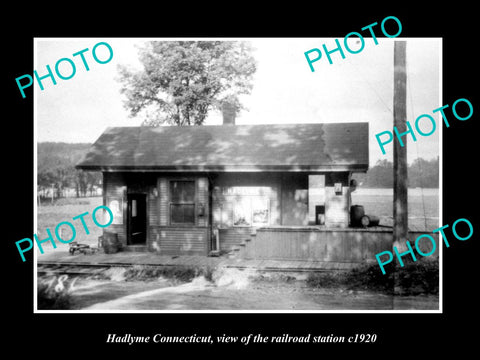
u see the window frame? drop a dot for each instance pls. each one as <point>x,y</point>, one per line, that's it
<point>171,202</point>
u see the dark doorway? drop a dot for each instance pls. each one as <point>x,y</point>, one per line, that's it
<point>137,219</point>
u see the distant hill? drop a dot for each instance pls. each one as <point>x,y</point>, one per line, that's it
<point>51,154</point>
<point>56,166</point>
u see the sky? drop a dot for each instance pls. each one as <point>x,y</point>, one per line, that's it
<point>358,88</point>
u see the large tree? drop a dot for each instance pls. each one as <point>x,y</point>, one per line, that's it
<point>181,81</point>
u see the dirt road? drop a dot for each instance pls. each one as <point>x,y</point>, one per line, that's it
<point>232,291</point>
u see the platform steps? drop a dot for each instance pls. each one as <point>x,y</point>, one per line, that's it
<point>241,250</point>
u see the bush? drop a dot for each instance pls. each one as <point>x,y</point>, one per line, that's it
<point>370,277</point>
<point>324,279</point>
<point>180,273</point>
<point>420,277</point>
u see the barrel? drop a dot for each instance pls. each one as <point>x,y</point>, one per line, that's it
<point>370,220</point>
<point>356,214</point>
<point>110,243</point>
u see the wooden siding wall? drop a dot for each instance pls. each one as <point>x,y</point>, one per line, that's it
<point>233,237</point>
<point>174,239</point>
<point>294,199</point>
<point>316,196</point>
<point>288,197</point>
<point>337,205</point>
<point>153,210</point>
<point>115,188</point>
<point>163,201</point>
<point>162,185</point>
<point>202,200</point>
<point>329,245</point>
<point>161,236</point>
<point>178,241</point>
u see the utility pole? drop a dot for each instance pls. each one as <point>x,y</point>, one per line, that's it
<point>400,174</point>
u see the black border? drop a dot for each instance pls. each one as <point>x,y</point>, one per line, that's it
<point>407,334</point>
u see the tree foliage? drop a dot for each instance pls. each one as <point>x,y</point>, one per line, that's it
<point>56,168</point>
<point>424,173</point>
<point>181,81</point>
<point>421,173</point>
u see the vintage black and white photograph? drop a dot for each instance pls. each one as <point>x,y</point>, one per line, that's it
<point>239,174</point>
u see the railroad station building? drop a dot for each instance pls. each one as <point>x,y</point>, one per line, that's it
<point>250,189</point>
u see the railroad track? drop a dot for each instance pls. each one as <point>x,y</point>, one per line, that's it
<point>72,269</point>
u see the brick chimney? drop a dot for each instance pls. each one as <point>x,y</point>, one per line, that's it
<point>228,112</point>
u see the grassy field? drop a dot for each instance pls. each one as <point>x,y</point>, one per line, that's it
<point>64,210</point>
<point>423,206</point>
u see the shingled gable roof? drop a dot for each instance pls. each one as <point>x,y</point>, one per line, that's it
<point>291,147</point>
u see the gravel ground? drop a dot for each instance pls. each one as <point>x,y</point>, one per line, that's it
<point>232,290</point>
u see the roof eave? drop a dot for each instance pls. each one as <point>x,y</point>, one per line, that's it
<point>227,168</point>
